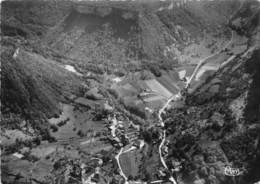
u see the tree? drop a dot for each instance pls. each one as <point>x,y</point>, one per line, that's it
<point>80,133</point>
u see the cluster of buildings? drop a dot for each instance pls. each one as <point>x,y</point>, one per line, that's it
<point>123,133</point>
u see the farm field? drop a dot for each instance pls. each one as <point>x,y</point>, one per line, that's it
<point>96,147</point>
<point>158,88</point>
<point>204,69</point>
<point>187,70</point>
<point>131,163</point>
<point>75,121</point>
<point>151,93</point>
<point>38,170</point>
<point>10,136</point>
<point>168,83</point>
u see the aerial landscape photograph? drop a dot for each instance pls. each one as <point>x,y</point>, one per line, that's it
<point>130,91</point>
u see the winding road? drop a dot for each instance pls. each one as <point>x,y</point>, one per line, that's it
<point>119,166</point>
<point>177,97</point>
<point>161,111</point>
<point>204,60</point>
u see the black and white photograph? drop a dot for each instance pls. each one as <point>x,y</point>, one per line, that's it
<point>130,91</point>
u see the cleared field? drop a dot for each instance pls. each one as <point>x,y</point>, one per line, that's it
<point>125,90</point>
<point>155,86</point>
<point>43,150</point>
<point>156,104</point>
<point>38,170</point>
<point>238,49</point>
<point>167,82</point>
<point>95,147</point>
<point>130,163</point>
<point>129,90</point>
<point>196,83</point>
<point>239,44</point>
<point>139,85</point>
<point>188,69</point>
<point>204,69</point>
<point>16,166</point>
<point>153,98</point>
<point>86,102</point>
<point>77,121</point>
<point>10,136</point>
<point>67,110</point>
<point>42,169</point>
<point>132,101</point>
<point>218,59</point>
<point>174,76</point>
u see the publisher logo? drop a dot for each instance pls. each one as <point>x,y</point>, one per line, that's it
<point>229,171</point>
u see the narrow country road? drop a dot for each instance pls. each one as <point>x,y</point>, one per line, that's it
<point>204,60</point>
<point>119,166</point>
<point>162,110</point>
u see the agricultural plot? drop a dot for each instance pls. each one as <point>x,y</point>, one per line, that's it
<point>43,150</point>
<point>217,59</point>
<point>9,136</point>
<point>95,147</point>
<point>66,130</point>
<point>130,163</point>
<point>158,88</point>
<point>129,90</point>
<point>17,165</point>
<point>205,68</point>
<point>139,85</point>
<point>75,121</point>
<point>188,70</point>
<point>238,49</point>
<point>239,44</point>
<point>153,92</point>
<point>194,52</point>
<point>41,169</point>
<point>125,90</point>
<point>67,111</point>
<point>37,170</point>
<point>196,83</point>
<point>156,104</point>
<point>168,83</point>
<point>152,164</point>
<point>132,101</point>
<point>174,76</point>
<point>86,102</point>
<point>153,98</point>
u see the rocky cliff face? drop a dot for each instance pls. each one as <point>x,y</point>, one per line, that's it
<point>135,30</point>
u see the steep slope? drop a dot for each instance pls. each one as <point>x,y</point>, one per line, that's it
<point>219,127</point>
<point>246,20</point>
<point>119,32</point>
<point>216,134</point>
<point>31,18</point>
<point>31,82</point>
